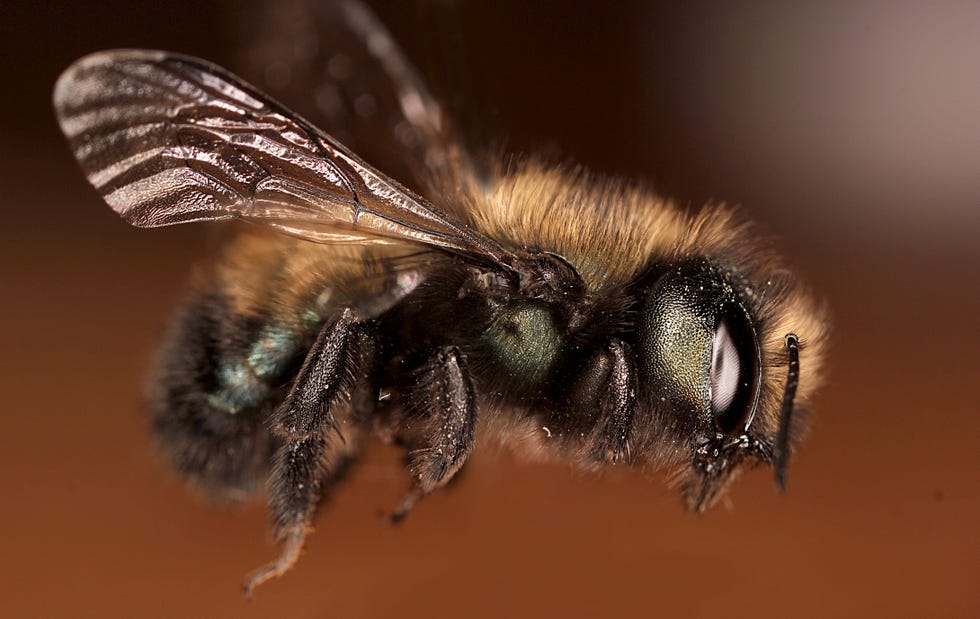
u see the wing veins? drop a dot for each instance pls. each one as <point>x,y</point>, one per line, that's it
<point>168,139</point>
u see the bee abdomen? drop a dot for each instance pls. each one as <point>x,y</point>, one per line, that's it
<point>218,377</point>
<point>245,378</point>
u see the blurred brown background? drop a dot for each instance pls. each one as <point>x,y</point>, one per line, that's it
<point>851,130</point>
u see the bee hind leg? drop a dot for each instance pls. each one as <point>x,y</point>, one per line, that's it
<point>317,429</point>
<point>445,400</point>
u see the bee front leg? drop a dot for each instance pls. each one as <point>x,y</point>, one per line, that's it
<point>313,444</point>
<point>445,402</point>
<point>617,403</point>
<point>601,405</point>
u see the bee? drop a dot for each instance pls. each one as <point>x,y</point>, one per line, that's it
<point>558,311</point>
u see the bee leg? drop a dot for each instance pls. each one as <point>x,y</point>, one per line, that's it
<point>445,398</point>
<point>600,404</point>
<point>309,423</point>
<point>616,400</point>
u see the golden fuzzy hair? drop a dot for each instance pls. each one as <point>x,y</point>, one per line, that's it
<point>612,230</point>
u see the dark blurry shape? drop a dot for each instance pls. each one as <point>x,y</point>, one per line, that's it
<point>313,55</point>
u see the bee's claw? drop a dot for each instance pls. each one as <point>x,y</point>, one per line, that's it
<point>408,502</point>
<point>292,547</point>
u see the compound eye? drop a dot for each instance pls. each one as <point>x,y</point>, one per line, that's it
<point>732,376</point>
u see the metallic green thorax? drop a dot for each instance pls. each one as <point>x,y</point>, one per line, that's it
<point>524,341</point>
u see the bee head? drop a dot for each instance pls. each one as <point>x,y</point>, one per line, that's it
<point>701,363</point>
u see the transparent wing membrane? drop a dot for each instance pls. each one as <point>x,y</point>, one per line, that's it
<point>169,139</point>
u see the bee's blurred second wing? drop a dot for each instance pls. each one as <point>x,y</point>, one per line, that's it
<point>170,139</point>
<point>337,64</point>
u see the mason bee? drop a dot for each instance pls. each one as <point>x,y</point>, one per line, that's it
<point>558,311</point>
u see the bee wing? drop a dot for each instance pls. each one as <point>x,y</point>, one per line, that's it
<point>340,66</point>
<point>169,139</point>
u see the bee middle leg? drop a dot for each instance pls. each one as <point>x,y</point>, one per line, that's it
<point>445,402</point>
<point>314,447</point>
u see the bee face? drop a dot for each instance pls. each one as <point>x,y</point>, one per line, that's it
<point>720,360</point>
<point>626,329</point>
<point>698,346</point>
<point>701,362</point>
